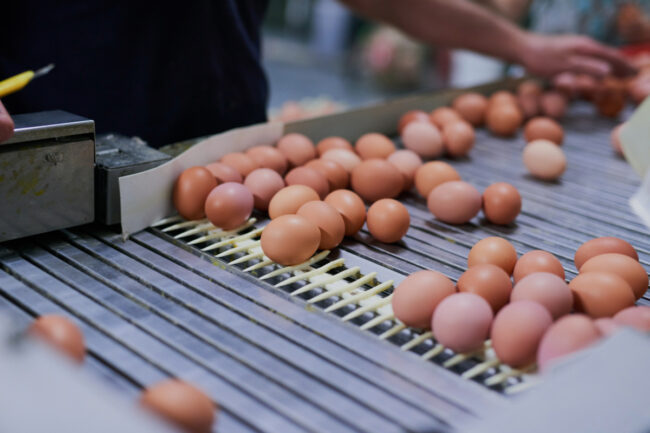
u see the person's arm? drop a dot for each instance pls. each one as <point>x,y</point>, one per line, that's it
<point>462,24</point>
<point>6,124</point>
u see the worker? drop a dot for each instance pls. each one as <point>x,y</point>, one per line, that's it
<point>168,72</point>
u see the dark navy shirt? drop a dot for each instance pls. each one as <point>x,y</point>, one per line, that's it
<point>164,71</point>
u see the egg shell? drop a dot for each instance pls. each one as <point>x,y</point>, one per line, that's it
<point>351,208</point>
<point>569,334</point>
<point>224,173</point>
<point>566,84</point>
<point>408,163</point>
<point>488,281</point>
<point>346,158</point>
<point>615,139</point>
<point>607,326</point>
<point>289,199</point>
<point>544,160</point>
<point>330,143</point>
<point>637,317</point>
<point>374,145</point>
<point>329,221</point>
<point>546,289</point>
<point>415,299</point>
<point>423,138</point>
<point>502,97</point>
<point>263,183</point>
<point>454,202</point>
<point>501,203</point>
<point>586,86</point>
<point>432,174</point>
<point>462,321</point>
<point>504,119</point>
<point>412,116</point>
<point>337,176</point>
<point>639,88</point>
<point>471,107</point>
<point>62,334</point>
<point>298,149</point>
<point>229,205</point>
<point>530,88</point>
<point>603,245</point>
<point>181,404</point>
<point>553,104</point>
<point>458,138</point>
<point>600,294</point>
<point>241,162</point>
<point>529,105</point>
<point>309,177</point>
<point>375,179</point>
<point>190,191</point>
<point>624,266</point>
<point>388,220</point>
<point>537,261</point>
<point>290,239</point>
<point>494,251</point>
<point>610,97</point>
<point>441,116</point>
<point>544,128</point>
<point>268,157</point>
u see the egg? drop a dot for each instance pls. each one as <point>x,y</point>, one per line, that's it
<point>544,128</point>
<point>330,143</point>
<point>415,299</point>
<point>601,294</point>
<point>263,183</point>
<point>441,116</point>
<point>636,317</point>
<point>537,261</point>
<point>546,289</point>
<point>229,205</point>
<point>624,266</point>
<point>502,97</point>
<point>181,404</point>
<point>544,160</point>
<point>471,107</point>
<point>289,199</point>
<point>351,208</point>
<point>566,84</point>
<point>488,281</point>
<point>337,176</point>
<point>290,239</point>
<point>569,334</point>
<point>375,179</point>
<point>553,104</point>
<point>374,145</point>
<point>190,191</point>
<point>586,86</point>
<point>309,177</point>
<point>615,139</point>
<point>408,163</point>
<point>412,116</point>
<point>494,251</point>
<point>241,162</point>
<point>529,88</point>
<point>610,97</point>
<point>462,321</point>
<point>454,202</point>
<point>346,158</point>
<point>529,105</point>
<point>501,203</point>
<point>60,333</point>
<point>504,119</point>
<point>639,88</point>
<point>432,174</point>
<point>423,138</point>
<point>388,220</point>
<point>458,138</point>
<point>329,221</point>
<point>268,157</point>
<point>607,326</point>
<point>224,173</point>
<point>603,245</point>
<point>298,149</point>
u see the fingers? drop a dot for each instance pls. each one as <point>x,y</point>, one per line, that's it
<point>619,64</point>
<point>6,124</point>
<point>589,65</point>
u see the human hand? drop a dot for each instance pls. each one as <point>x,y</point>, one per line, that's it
<point>6,124</point>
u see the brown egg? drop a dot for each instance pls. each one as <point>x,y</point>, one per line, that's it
<point>504,119</point>
<point>566,84</point>
<point>462,321</point>
<point>569,334</point>
<point>181,404</point>
<point>471,107</point>
<point>263,183</point>
<point>412,116</point>
<point>530,88</point>
<point>586,86</point>
<point>639,88</point>
<point>309,177</point>
<point>416,298</point>
<point>615,139</point>
<point>458,138</point>
<point>444,115</point>
<point>600,294</point>
<point>537,261</point>
<point>346,158</point>
<point>547,289</point>
<point>329,221</point>
<point>190,190</point>
<point>375,179</point>
<point>501,203</point>
<point>290,239</point>
<point>545,128</point>
<point>454,202</point>
<point>544,160</point>
<point>408,163</point>
<point>529,105</point>
<point>604,245</point>
<point>432,174</point>
<point>423,138</point>
<point>374,145</point>
<point>624,266</point>
<point>224,173</point>
<point>610,97</point>
<point>268,157</point>
<point>351,208</point>
<point>502,97</point>
<point>229,205</point>
<point>388,220</point>
<point>488,281</point>
<point>607,326</point>
<point>637,317</point>
<point>289,199</point>
<point>494,251</point>
<point>241,162</point>
<point>330,143</point>
<point>517,331</point>
<point>298,149</point>
<point>60,333</point>
<point>553,104</point>
<point>337,176</point>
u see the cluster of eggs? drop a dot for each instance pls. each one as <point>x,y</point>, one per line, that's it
<point>538,318</point>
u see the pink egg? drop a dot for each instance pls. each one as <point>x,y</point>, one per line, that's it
<point>224,173</point>
<point>424,139</point>
<point>607,326</point>
<point>462,322</point>
<point>637,317</point>
<point>407,162</point>
<point>229,205</point>
<point>569,334</point>
<point>346,158</point>
<point>263,183</point>
<point>547,289</point>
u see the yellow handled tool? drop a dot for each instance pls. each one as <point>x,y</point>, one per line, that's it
<point>17,82</point>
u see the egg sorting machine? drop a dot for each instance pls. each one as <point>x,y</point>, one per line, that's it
<point>316,348</point>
